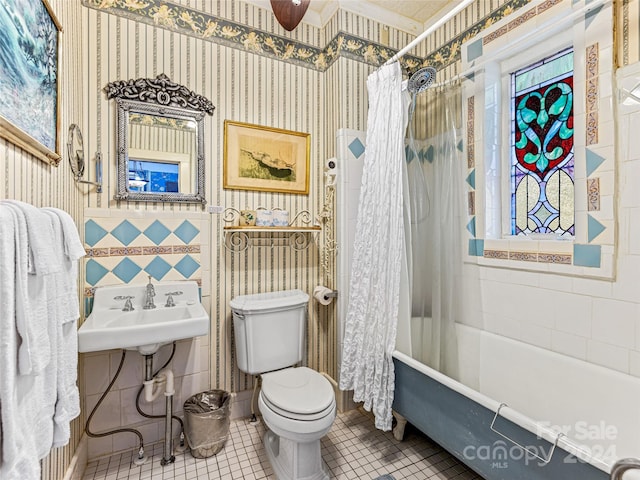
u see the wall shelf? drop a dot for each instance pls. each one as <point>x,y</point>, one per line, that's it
<point>313,228</point>
<point>238,239</point>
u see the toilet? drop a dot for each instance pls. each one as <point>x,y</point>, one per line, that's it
<point>297,404</point>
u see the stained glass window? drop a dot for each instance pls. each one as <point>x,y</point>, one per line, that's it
<point>542,188</point>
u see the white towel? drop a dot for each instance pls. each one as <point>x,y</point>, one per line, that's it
<point>42,259</point>
<point>63,312</point>
<point>73,251</point>
<point>73,248</point>
<point>38,313</point>
<point>18,460</point>
<point>34,352</point>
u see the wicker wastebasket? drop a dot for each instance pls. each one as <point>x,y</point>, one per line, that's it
<point>206,422</point>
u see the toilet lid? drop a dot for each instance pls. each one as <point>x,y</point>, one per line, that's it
<point>300,391</point>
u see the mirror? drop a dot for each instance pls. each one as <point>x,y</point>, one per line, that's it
<point>75,150</point>
<point>160,140</point>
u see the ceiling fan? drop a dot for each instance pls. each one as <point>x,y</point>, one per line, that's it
<point>289,12</point>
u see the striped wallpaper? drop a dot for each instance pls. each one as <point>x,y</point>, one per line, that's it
<point>244,87</point>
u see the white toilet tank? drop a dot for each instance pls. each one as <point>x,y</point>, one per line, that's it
<point>269,330</point>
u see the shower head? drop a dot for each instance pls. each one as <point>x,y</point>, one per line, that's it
<point>421,80</point>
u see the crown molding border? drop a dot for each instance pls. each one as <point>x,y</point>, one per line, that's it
<point>195,23</point>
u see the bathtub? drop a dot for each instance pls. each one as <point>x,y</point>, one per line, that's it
<point>524,397</point>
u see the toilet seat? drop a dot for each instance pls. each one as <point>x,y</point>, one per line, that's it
<point>298,393</point>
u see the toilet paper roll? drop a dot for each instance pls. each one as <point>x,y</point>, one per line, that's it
<point>321,294</point>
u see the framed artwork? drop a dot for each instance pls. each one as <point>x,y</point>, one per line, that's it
<point>265,159</point>
<point>29,82</point>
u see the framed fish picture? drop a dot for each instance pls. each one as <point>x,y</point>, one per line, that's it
<point>29,81</point>
<point>265,159</point>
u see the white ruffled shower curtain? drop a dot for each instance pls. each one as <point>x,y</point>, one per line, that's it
<point>372,314</point>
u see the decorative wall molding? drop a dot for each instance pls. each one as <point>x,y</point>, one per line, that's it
<point>204,26</point>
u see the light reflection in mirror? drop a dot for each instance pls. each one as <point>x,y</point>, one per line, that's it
<point>150,176</point>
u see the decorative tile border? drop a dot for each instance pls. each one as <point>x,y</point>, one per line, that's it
<point>517,22</point>
<point>561,258</point>
<point>497,254</point>
<point>497,34</point>
<point>160,250</point>
<point>592,67</point>
<point>471,132</point>
<point>593,194</point>
<point>546,5</point>
<point>471,197</point>
<point>524,256</point>
<point>97,252</point>
<point>129,251</point>
<point>525,17</point>
<point>625,32</point>
<point>558,258</point>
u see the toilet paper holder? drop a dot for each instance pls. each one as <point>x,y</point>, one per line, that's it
<point>324,295</point>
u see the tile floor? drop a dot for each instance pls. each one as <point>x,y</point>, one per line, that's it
<point>353,449</point>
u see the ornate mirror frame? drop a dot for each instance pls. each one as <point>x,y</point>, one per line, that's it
<point>160,97</point>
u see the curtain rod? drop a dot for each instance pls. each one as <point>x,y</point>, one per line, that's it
<point>462,5</point>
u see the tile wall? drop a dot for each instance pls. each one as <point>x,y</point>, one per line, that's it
<point>125,247</point>
<point>593,320</point>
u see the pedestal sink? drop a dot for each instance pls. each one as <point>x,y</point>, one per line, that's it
<point>109,326</point>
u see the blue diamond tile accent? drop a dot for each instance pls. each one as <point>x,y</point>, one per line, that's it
<point>357,148</point>
<point>586,255</point>
<point>474,50</point>
<point>430,154</point>
<point>471,77</point>
<point>471,179</point>
<point>187,266</point>
<point>158,268</point>
<point>125,232</point>
<point>126,270</point>
<point>157,232</point>
<point>410,155</point>
<point>594,228</point>
<point>460,146</point>
<point>593,161</point>
<point>93,233</point>
<point>94,272</point>
<point>471,226</point>
<point>476,247</point>
<point>186,231</point>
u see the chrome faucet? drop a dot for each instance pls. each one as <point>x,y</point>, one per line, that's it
<point>148,297</point>
<point>170,301</point>
<point>128,306</point>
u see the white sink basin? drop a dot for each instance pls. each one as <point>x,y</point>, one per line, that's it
<point>110,327</point>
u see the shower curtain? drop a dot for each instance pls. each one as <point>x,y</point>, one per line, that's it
<point>435,193</point>
<point>371,320</point>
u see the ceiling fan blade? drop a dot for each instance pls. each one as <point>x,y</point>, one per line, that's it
<point>289,14</point>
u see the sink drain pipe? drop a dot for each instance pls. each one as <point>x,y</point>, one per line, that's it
<point>153,386</point>
<point>181,446</point>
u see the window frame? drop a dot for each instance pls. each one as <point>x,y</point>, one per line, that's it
<point>486,101</point>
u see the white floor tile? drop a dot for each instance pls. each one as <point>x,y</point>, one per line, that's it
<point>353,450</point>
